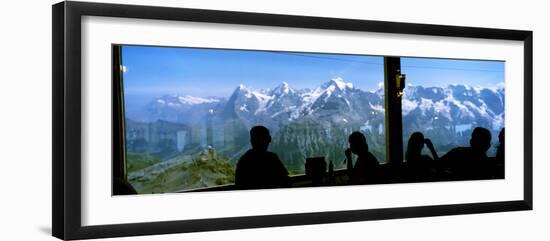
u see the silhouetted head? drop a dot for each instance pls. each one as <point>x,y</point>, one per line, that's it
<point>358,143</point>
<point>481,139</point>
<point>260,138</point>
<point>415,144</point>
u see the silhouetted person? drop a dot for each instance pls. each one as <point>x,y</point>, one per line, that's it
<point>259,168</point>
<point>420,167</point>
<point>367,168</point>
<point>470,162</point>
<point>499,159</point>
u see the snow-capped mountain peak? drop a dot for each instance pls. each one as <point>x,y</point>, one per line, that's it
<point>192,100</point>
<point>244,90</point>
<point>184,100</point>
<point>242,87</point>
<point>339,83</point>
<point>284,85</point>
<point>282,89</point>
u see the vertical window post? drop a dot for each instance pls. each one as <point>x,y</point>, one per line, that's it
<point>394,83</point>
<point>119,145</point>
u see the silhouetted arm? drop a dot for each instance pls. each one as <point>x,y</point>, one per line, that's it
<point>284,179</point>
<point>430,146</point>
<point>349,160</point>
<point>240,174</point>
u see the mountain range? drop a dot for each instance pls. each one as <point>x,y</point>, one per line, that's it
<point>335,101</point>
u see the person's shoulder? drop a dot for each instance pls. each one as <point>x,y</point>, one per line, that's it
<point>371,158</point>
<point>272,155</point>
<point>248,153</point>
<point>460,149</point>
<point>246,156</point>
<point>455,153</point>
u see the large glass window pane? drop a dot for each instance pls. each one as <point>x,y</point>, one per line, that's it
<point>189,111</point>
<point>446,99</point>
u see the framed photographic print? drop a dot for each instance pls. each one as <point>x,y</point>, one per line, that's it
<point>169,120</point>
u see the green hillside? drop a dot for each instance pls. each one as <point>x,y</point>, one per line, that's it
<point>206,169</point>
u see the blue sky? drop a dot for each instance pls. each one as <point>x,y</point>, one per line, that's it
<point>442,72</point>
<point>155,71</point>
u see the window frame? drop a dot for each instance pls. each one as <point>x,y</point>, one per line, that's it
<point>392,105</point>
<point>67,209</point>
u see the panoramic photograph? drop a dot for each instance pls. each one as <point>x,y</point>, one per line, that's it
<point>202,119</point>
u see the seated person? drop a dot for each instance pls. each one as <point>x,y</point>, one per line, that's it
<point>420,167</point>
<point>367,168</point>
<point>466,163</point>
<point>259,168</point>
<point>498,160</point>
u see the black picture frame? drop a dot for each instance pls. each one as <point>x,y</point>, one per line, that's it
<point>67,134</point>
